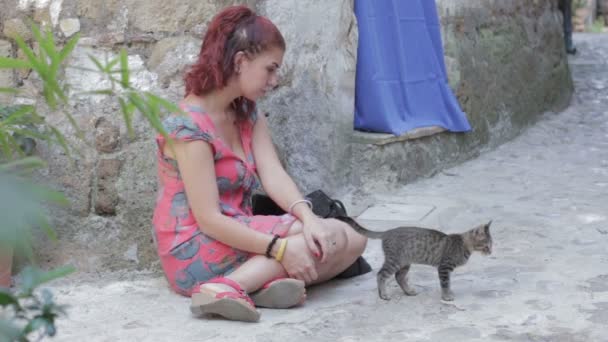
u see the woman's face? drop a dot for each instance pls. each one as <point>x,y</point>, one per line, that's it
<point>259,75</point>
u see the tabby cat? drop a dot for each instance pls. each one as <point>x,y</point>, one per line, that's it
<point>404,246</point>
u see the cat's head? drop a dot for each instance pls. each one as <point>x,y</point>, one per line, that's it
<point>481,239</point>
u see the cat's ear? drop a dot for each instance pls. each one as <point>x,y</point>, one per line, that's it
<point>486,228</point>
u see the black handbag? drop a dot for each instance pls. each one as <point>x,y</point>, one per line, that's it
<point>323,206</point>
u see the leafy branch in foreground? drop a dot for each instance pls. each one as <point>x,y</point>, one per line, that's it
<point>27,311</point>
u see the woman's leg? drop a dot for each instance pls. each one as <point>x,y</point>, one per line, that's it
<point>258,270</point>
<point>349,243</point>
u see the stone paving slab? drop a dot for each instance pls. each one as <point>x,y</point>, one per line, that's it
<point>397,212</point>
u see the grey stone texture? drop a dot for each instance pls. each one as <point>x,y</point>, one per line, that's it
<point>7,78</point>
<point>505,60</point>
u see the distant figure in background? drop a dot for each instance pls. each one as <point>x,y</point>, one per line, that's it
<point>565,6</point>
<point>603,10</point>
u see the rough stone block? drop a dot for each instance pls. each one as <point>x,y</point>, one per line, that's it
<point>107,137</point>
<point>108,168</point>
<point>16,27</point>
<point>171,56</point>
<point>70,26</point>
<point>106,198</point>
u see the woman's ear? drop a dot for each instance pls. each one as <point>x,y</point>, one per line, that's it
<point>239,58</point>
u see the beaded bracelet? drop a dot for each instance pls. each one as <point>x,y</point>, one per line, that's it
<point>269,248</point>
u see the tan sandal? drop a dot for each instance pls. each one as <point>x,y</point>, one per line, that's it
<point>280,293</point>
<point>236,306</point>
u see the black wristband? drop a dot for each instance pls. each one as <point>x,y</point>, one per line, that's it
<point>269,248</point>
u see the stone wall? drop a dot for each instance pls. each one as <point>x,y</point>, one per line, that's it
<point>506,64</point>
<point>505,60</point>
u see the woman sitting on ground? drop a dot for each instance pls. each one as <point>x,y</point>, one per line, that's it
<point>211,246</point>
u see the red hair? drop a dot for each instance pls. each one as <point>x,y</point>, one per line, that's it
<point>235,29</point>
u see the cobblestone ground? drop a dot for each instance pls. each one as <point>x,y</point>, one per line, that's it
<point>547,280</point>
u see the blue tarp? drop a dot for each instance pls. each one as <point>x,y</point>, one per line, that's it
<point>401,79</point>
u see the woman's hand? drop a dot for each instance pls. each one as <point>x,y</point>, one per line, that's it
<point>320,240</point>
<point>298,262</point>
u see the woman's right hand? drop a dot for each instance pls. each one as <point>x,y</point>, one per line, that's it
<point>298,261</point>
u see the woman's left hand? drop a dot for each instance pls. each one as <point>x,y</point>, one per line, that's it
<point>320,240</point>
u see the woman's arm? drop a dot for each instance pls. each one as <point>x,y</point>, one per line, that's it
<point>275,180</point>
<point>196,166</point>
<point>283,191</point>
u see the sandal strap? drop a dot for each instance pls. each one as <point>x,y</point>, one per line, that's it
<point>226,281</point>
<point>235,295</point>
<point>267,284</point>
<point>239,294</point>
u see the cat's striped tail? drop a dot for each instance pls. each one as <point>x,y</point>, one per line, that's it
<point>359,229</point>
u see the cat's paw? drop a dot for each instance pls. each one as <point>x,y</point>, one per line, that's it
<point>384,296</point>
<point>447,296</point>
<point>410,291</point>
<point>382,293</point>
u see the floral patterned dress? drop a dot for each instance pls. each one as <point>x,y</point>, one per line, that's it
<point>187,255</point>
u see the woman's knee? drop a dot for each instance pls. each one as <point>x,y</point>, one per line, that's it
<point>295,228</point>
<point>354,242</point>
<point>357,242</point>
<point>350,241</point>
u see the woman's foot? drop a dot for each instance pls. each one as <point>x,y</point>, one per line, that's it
<point>280,293</point>
<point>226,298</point>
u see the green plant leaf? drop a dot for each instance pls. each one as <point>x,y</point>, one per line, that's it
<point>110,66</point>
<point>8,145</point>
<point>28,163</point>
<point>30,133</point>
<point>80,68</point>
<point>97,63</point>
<point>49,96</point>
<point>136,100</point>
<point>4,144</point>
<point>18,114</point>
<point>45,43</point>
<point>60,139</point>
<point>149,109</point>
<point>32,277</point>
<point>46,227</point>
<point>56,273</point>
<point>169,106</point>
<point>51,86</point>
<point>74,125</point>
<point>124,69</point>
<point>6,299</point>
<point>127,114</point>
<point>52,196</point>
<point>9,90</point>
<point>51,89</point>
<point>108,92</point>
<point>34,325</point>
<point>13,63</point>
<point>69,47</point>
<point>39,67</point>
